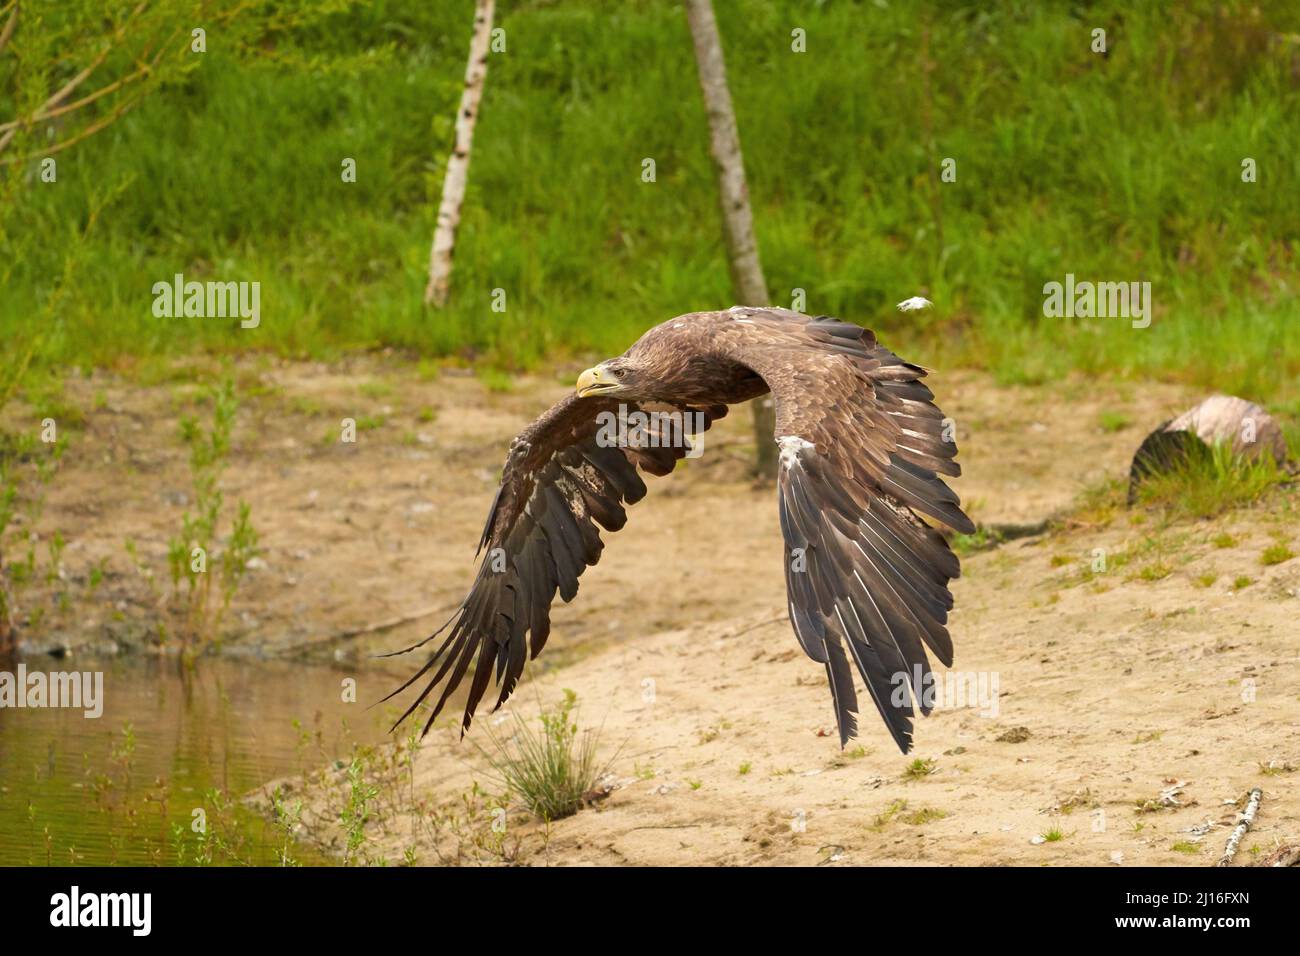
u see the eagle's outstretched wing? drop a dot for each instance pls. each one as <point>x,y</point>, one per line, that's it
<point>560,481</point>
<point>862,446</point>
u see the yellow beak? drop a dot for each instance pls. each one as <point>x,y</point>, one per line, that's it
<point>593,380</point>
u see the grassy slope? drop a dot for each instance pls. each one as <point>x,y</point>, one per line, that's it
<point>1124,167</point>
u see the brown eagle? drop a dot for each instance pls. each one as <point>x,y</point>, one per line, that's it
<point>861,445</point>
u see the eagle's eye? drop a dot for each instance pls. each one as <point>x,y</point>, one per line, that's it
<point>620,372</point>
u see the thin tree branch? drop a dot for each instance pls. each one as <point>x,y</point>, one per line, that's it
<point>9,26</point>
<point>77,104</point>
<point>86,133</point>
<point>70,87</point>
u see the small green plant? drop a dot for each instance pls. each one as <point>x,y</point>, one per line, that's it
<point>1205,580</point>
<point>189,551</point>
<point>1156,571</point>
<point>982,540</point>
<point>1111,422</point>
<point>883,819</point>
<point>356,811</point>
<point>496,379</point>
<point>1223,540</point>
<point>1054,835</point>
<point>1274,769</point>
<point>1241,581</point>
<point>919,768</point>
<point>1276,554</point>
<point>285,817</point>
<point>744,768</point>
<point>549,769</point>
<point>923,816</point>
<point>1185,846</point>
<point>27,466</point>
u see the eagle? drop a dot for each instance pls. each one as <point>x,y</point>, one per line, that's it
<point>861,448</point>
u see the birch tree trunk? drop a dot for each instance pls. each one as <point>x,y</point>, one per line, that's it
<point>453,184</point>
<point>733,194</point>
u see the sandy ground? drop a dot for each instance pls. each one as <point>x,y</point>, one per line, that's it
<point>1112,689</point>
<point>1131,716</point>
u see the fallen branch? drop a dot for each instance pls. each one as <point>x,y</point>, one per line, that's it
<point>387,625</point>
<point>1243,824</point>
<point>396,621</point>
<point>755,627</point>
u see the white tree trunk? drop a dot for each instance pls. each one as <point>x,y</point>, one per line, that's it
<point>733,194</point>
<point>453,184</point>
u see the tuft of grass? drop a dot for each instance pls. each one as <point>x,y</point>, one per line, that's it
<point>549,769</point>
<point>1276,554</point>
<point>1054,835</point>
<point>1100,503</point>
<point>1241,581</point>
<point>1223,540</point>
<point>1205,580</point>
<point>1211,481</point>
<point>1111,422</point>
<point>919,768</point>
<point>923,816</point>
<point>883,819</point>
<point>1156,571</point>
<point>496,380</point>
<point>1275,769</point>
<point>1185,846</point>
<point>982,540</point>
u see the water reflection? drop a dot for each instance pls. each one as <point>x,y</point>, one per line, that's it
<point>123,788</point>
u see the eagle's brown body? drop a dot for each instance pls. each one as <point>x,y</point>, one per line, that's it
<point>862,446</point>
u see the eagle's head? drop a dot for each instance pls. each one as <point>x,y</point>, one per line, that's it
<point>620,376</point>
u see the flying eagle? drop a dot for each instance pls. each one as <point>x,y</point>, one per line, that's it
<point>861,445</point>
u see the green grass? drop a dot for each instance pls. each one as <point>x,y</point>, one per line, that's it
<point>923,816</point>
<point>983,539</point>
<point>1117,168</point>
<point>1210,482</point>
<point>1111,422</point>
<point>547,769</point>
<point>883,819</point>
<point>919,768</point>
<point>1276,554</point>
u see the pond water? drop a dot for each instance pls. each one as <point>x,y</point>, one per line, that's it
<point>124,788</point>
